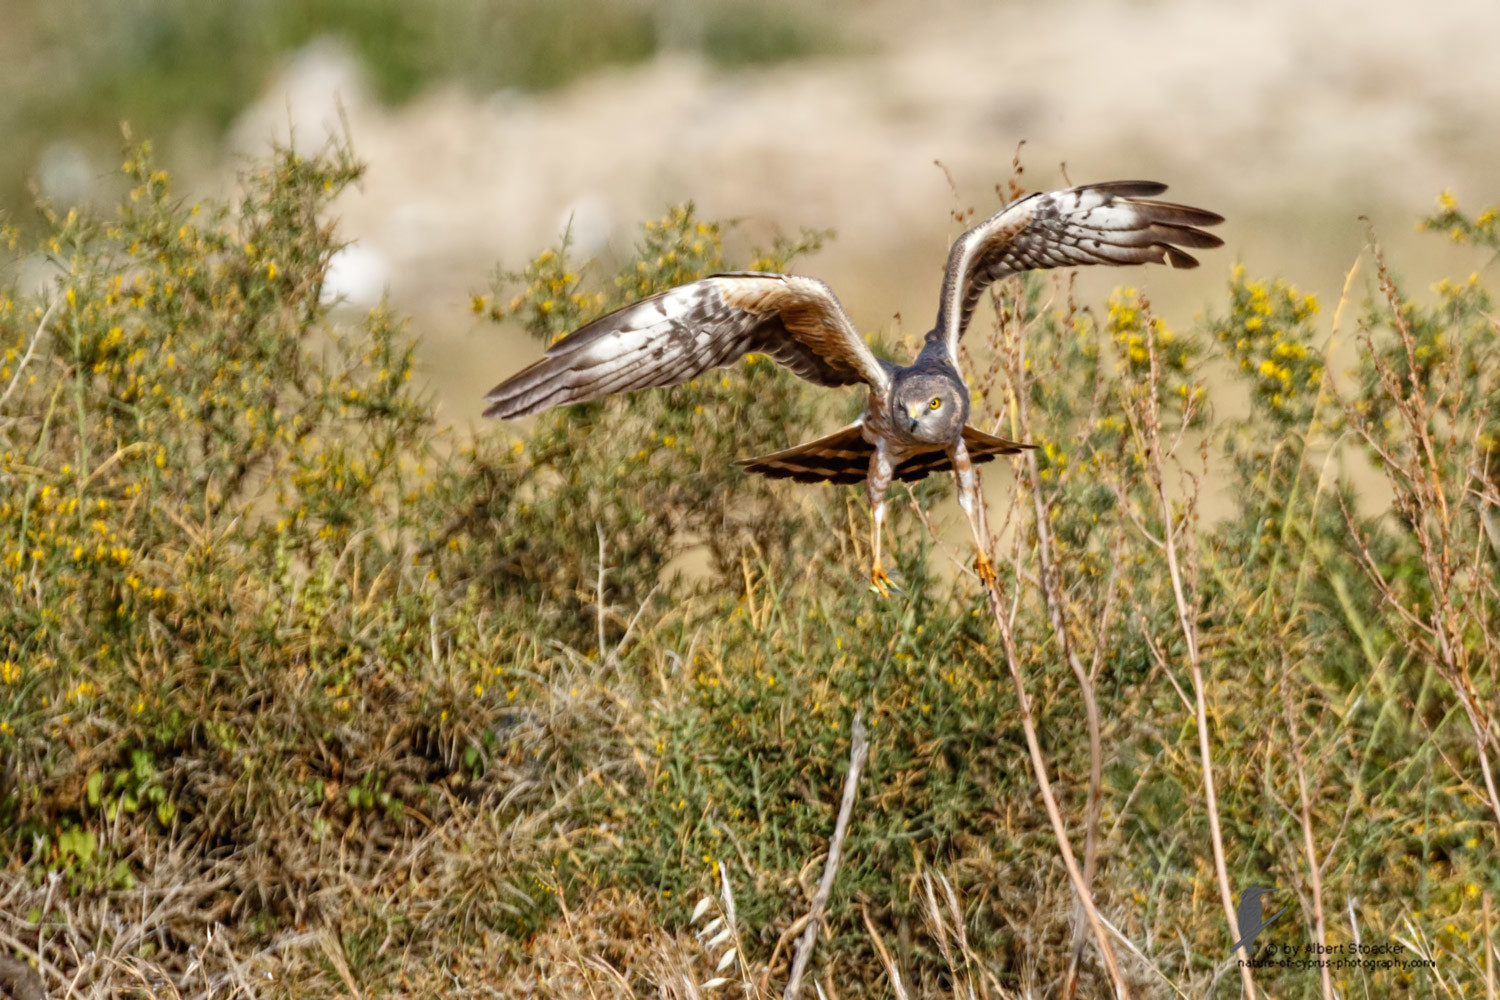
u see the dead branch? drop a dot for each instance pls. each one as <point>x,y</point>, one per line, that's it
<point>859,751</point>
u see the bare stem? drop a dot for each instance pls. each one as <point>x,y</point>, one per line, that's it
<point>1489,952</point>
<point>1039,768</point>
<point>1309,846</point>
<point>36,338</point>
<point>1187,619</point>
<point>859,751</point>
<point>885,956</point>
<point>1052,599</point>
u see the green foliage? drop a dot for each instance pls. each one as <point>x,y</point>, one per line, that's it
<point>533,517</point>
<point>262,624</point>
<point>163,63</point>
<point>1269,333</point>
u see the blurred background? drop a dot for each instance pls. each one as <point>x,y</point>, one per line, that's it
<point>490,125</point>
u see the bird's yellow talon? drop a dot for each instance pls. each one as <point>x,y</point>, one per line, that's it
<point>880,582</point>
<point>986,570</point>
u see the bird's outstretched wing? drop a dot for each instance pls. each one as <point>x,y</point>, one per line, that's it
<point>681,333</point>
<point>1112,223</point>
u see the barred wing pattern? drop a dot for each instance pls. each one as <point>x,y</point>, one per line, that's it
<point>1113,223</point>
<point>679,334</point>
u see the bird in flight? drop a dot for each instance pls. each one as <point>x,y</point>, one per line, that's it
<point>916,420</point>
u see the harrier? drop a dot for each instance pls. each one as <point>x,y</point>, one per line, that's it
<point>916,421</point>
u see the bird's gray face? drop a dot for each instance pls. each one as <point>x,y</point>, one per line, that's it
<point>928,408</point>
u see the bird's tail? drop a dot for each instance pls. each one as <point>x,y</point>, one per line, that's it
<point>844,457</point>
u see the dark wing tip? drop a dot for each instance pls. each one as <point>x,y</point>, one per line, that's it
<point>500,405</point>
<point>981,443</point>
<point>509,409</point>
<point>1167,213</point>
<point>1184,215</point>
<point>1178,259</point>
<point>509,399</point>
<point>1128,189</point>
<point>499,411</point>
<point>1186,236</point>
<point>984,454</point>
<point>531,390</point>
<point>800,474</point>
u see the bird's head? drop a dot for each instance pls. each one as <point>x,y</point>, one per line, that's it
<point>929,407</point>
<point>1253,897</point>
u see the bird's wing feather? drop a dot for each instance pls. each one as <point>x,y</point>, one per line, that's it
<point>1113,223</point>
<point>681,333</point>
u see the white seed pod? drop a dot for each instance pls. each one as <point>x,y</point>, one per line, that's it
<point>700,909</point>
<point>718,939</point>
<point>710,927</point>
<point>726,960</point>
<point>715,983</point>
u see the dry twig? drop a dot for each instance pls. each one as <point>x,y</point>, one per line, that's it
<point>859,751</point>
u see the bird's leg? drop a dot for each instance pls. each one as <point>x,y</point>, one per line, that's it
<point>876,485</point>
<point>973,508</point>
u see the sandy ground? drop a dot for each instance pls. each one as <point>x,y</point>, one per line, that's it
<point>1291,118</point>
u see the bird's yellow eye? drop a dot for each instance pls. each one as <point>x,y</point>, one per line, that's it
<point>935,402</point>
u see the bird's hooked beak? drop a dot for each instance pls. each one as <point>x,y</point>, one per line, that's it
<point>913,414</point>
